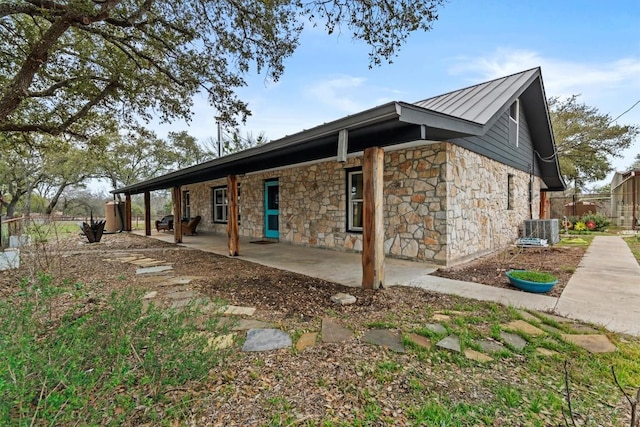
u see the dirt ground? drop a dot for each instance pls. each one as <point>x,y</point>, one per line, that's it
<point>560,261</point>
<point>327,381</point>
<point>238,282</point>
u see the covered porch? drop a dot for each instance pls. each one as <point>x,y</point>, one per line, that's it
<point>340,267</point>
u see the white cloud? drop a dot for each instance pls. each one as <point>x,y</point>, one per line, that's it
<point>612,86</point>
<point>339,92</point>
<point>561,77</point>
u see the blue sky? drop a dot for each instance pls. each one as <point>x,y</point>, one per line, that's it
<point>585,47</point>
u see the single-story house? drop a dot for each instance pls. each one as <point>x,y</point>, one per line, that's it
<point>444,180</point>
<point>625,199</point>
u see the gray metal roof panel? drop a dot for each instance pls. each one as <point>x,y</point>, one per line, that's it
<point>479,103</point>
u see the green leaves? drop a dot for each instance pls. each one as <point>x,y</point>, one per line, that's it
<point>586,140</point>
<point>64,63</point>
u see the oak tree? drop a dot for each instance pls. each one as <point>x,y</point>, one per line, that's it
<point>586,140</point>
<point>65,62</point>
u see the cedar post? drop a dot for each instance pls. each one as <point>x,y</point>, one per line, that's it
<point>147,213</point>
<point>543,205</point>
<point>373,219</point>
<point>127,212</point>
<point>177,215</point>
<point>232,215</point>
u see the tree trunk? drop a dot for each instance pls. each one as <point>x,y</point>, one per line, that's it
<point>54,200</point>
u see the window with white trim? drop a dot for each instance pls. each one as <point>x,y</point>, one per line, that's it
<point>354,200</point>
<point>514,122</point>
<point>220,204</point>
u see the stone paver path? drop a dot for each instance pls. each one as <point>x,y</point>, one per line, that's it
<point>385,338</point>
<point>262,336</point>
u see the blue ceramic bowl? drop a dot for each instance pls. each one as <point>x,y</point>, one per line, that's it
<point>525,285</point>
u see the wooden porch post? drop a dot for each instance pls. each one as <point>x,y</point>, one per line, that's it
<point>177,215</point>
<point>544,212</point>
<point>127,212</point>
<point>147,213</point>
<point>373,219</point>
<point>232,215</point>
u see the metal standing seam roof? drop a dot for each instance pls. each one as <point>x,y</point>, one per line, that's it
<point>464,112</point>
<point>481,102</point>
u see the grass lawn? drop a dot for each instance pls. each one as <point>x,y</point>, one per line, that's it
<point>77,348</point>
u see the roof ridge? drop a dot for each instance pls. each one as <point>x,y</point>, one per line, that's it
<point>476,85</point>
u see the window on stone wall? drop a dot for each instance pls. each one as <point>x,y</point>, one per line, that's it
<point>354,200</point>
<point>510,189</point>
<point>514,122</point>
<point>186,205</point>
<point>220,204</point>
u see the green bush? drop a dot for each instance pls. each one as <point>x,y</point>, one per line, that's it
<point>601,221</point>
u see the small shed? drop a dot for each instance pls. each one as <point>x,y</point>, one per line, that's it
<point>580,208</point>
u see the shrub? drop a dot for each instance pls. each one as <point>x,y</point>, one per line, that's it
<point>601,221</point>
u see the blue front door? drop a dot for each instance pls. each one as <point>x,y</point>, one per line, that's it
<point>271,213</point>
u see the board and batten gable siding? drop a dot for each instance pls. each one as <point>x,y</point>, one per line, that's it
<point>495,144</point>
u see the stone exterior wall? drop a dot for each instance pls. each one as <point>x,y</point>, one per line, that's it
<point>442,203</point>
<point>478,218</point>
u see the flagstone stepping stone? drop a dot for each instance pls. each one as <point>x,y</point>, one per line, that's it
<point>152,263</point>
<point>436,328</point>
<point>266,339</point>
<point>515,341</point>
<point>491,346</point>
<point>557,319</point>
<point>546,352</point>
<point>333,332</point>
<point>590,342</point>
<point>181,295</point>
<point>235,310</point>
<point>154,270</point>
<point>385,338</point>
<point>420,340</point>
<point>440,317</point>
<point>584,329</point>
<point>551,329</point>
<point>182,303</point>
<point>220,342</point>
<point>127,258</point>
<point>142,261</point>
<point>306,340</point>
<point>343,299</point>
<point>477,356</point>
<point>524,327</point>
<point>156,279</point>
<point>452,342</point>
<point>150,295</point>
<point>238,324</point>
<point>458,313</point>
<point>528,316</point>
<point>171,281</point>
